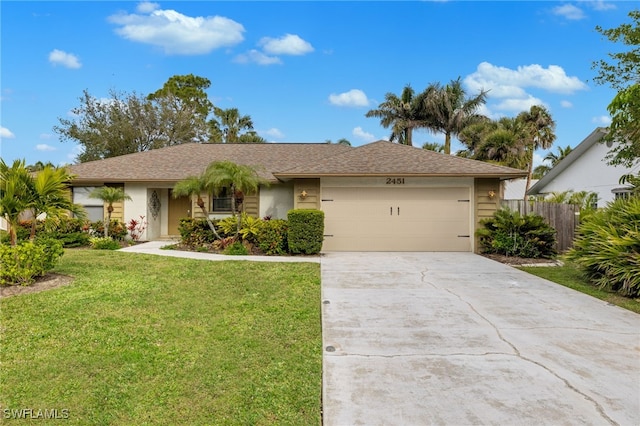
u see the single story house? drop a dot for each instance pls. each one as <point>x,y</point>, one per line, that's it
<point>586,169</point>
<point>376,197</point>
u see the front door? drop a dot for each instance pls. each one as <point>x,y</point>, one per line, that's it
<point>178,208</point>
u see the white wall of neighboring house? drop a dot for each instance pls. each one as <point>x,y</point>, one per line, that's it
<point>276,200</point>
<point>3,224</point>
<point>514,188</point>
<point>590,172</point>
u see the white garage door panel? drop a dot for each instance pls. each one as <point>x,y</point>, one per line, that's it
<point>396,219</point>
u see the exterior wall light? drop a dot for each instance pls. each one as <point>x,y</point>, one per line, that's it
<point>492,194</point>
<point>303,194</point>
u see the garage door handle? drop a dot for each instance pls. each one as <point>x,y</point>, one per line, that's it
<point>391,211</point>
<point>398,211</point>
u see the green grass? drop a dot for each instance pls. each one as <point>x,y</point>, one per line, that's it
<point>570,276</point>
<point>140,339</point>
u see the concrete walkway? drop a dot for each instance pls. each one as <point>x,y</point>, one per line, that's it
<point>457,339</point>
<point>155,247</point>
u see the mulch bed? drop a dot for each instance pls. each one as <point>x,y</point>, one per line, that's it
<point>519,261</point>
<point>46,282</point>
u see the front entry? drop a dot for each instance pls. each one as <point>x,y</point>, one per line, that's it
<point>178,208</point>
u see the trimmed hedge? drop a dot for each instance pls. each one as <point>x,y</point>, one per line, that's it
<point>22,264</point>
<point>272,237</point>
<point>607,247</point>
<point>306,231</point>
<point>195,232</point>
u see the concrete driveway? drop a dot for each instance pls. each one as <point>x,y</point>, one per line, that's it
<point>457,339</point>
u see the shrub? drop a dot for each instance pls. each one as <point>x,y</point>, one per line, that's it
<point>195,232</point>
<point>607,247</point>
<point>511,234</point>
<point>306,231</point>
<point>117,230</point>
<point>104,243</point>
<point>22,264</point>
<point>236,249</point>
<point>272,237</point>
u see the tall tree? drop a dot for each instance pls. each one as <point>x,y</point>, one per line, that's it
<point>187,93</point>
<point>501,141</point>
<point>238,179</point>
<point>403,114</point>
<point>623,74</point>
<point>228,125</point>
<point>433,146</point>
<point>110,195</point>
<point>449,110</point>
<point>540,130</point>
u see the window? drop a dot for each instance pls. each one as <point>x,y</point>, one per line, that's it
<point>93,206</point>
<point>221,202</point>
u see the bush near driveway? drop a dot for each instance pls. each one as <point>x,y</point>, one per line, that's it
<point>511,234</point>
<point>306,231</point>
<point>607,247</point>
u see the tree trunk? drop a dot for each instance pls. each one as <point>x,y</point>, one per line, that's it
<point>200,204</point>
<point>529,172</point>
<point>447,143</point>
<point>233,211</point>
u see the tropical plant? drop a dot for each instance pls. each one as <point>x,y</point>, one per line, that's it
<point>195,186</point>
<point>16,194</point>
<point>552,159</point>
<point>448,110</point>
<point>109,195</point>
<point>238,179</point>
<point>228,124</point>
<point>433,146</point>
<point>540,131</point>
<point>607,247</point>
<point>51,196</point>
<point>511,234</point>
<point>24,262</point>
<point>498,141</point>
<point>272,237</point>
<point>403,114</point>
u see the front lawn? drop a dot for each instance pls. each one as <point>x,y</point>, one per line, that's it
<point>140,339</point>
<point>570,276</point>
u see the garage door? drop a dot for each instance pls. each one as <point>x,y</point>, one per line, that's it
<point>396,219</point>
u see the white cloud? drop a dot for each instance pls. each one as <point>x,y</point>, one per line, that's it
<point>601,5</point>
<point>6,133</point>
<point>176,33</point>
<point>59,57</point>
<point>359,133</point>
<point>506,82</point>
<point>518,105</point>
<point>257,57</point>
<point>569,11</point>
<point>566,104</point>
<point>602,119</point>
<point>147,7</point>
<point>274,133</point>
<point>44,147</point>
<point>352,98</point>
<point>289,44</point>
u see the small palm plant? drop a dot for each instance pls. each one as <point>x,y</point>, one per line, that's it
<point>110,195</point>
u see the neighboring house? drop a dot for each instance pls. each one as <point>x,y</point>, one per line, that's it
<point>3,224</point>
<point>586,169</point>
<point>376,197</point>
<point>514,189</point>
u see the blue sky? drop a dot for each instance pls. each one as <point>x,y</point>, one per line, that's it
<point>304,71</point>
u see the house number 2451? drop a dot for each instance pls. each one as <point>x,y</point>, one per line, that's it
<point>395,181</point>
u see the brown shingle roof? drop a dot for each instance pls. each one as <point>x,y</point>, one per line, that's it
<point>174,163</point>
<point>285,160</point>
<point>389,159</point>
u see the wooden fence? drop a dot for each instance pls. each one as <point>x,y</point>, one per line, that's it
<point>563,218</point>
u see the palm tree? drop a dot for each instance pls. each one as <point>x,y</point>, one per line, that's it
<point>433,146</point>
<point>448,110</point>
<point>228,125</point>
<point>51,196</point>
<point>402,114</point>
<point>239,179</point>
<point>196,186</point>
<point>110,195</point>
<point>553,160</point>
<point>501,142</point>
<point>16,194</point>
<point>540,130</point>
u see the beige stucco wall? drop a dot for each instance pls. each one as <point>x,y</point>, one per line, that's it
<point>276,200</point>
